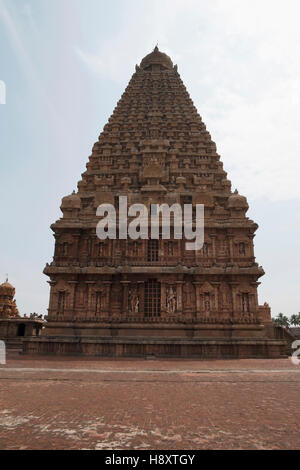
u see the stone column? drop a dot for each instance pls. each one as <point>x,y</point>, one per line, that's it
<point>178,249</point>
<point>76,246</point>
<point>73,285</point>
<point>199,255</point>
<point>125,285</point>
<point>107,308</point>
<point>141,295</point>
<point>56,246</point>
<point>179,285</point>
<point>251,246</point>
<point>213,240</point>
<point>235,308</point>
<point>253,300</point>
<point>216,286</point>
<point>230,242</point>
<point>256,284</point>
<point>198,298</point>
<point>52,299</point>
<point>163,298</point>
<point>89,304</point>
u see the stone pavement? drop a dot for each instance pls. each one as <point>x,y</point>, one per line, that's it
<point>93,403</point>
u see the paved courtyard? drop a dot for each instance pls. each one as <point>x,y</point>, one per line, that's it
<point>70,403</point>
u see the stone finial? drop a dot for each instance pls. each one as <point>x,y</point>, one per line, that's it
<point>125,181</point>
<point>236,201</point>
<point>70,205</point>
<point>156,57</point>
<point>181,181</point>
<point>8,307</point>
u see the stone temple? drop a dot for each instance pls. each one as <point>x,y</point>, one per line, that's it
<point>153,297</point>
<point>14,327</point>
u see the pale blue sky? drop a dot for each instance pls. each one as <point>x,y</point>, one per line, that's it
<point>66,63</point>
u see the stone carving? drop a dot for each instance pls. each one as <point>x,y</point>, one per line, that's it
<point>188,295</point>
<point>171,300</point>
<point>134,300</point>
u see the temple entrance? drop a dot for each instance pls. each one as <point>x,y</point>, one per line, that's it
<point>152,298</point>
<point>21,329</point>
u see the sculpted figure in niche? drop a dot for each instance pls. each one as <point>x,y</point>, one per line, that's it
<point>245,303</point>
<point>134,300</point>
<point>136,305</point>
<point>196,180</point>
<point>225,296</point>
<point>171,300</point>
<point>188,294</point>
<point>98,301</point>
<point>207,302</point>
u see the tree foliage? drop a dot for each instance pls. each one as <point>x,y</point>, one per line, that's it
<point>283,320</point>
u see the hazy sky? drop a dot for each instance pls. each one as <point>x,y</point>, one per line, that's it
<point>66,63</point>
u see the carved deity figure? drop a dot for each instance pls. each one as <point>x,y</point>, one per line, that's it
<point>134,300</point>
<point>207,302</point>
<point>136,305</point>
<point>171,300</point>
<point>188,294</point>
<point>245,303</point>
<point>225,296</point>
<point>99,301</point>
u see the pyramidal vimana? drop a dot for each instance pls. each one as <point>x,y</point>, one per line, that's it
<point>150,297</point>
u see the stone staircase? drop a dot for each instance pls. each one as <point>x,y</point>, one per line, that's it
<point>287,335</point>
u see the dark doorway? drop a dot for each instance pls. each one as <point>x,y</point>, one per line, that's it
<point>21,329</point>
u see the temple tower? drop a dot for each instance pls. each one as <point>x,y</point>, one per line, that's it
<point>13,327</point>
<point>149,296</point>
<point>8,307</point>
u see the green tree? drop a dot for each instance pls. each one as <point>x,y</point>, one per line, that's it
<point>281,320</point>
<point>295,319</point>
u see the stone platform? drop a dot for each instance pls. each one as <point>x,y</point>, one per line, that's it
<point>143,347</point>
<point>159,340</point>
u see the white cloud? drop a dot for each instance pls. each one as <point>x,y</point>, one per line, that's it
<point>259,142</point>
<point>241,65</point>
<point>10,22</point>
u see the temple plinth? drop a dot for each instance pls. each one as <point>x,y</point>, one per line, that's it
<point>146,296</point>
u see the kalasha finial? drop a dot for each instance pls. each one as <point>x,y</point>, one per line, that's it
<point>6,277</point>
<point>156,48</point>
